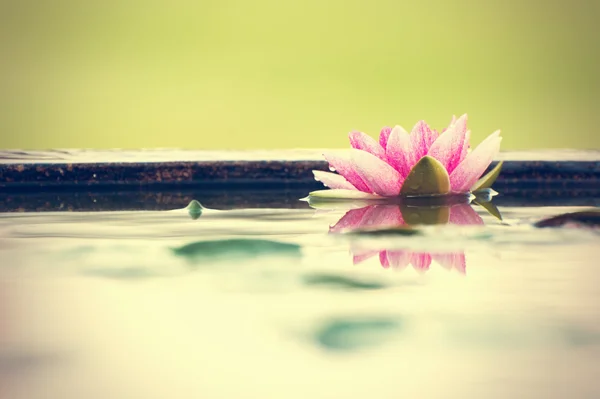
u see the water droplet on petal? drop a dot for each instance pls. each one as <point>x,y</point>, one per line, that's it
<point>331,168</point>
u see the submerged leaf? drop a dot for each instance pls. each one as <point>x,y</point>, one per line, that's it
<point>126,273</point>
<point>427,177</point>
<point>331,280</point>
<point>590,218</point>
<point>489,178</point>
<point>357,333</point>
<point>235,248</point>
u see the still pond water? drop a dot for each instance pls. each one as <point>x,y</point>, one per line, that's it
<point>280,303</point>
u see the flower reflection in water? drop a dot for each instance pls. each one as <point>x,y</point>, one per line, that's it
<point>385,216</point>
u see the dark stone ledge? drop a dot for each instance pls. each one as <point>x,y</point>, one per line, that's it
<point>80,180</point>
<point>169,174</point>
<point>22,171</point>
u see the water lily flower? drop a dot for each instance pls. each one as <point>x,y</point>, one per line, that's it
<point>421,163</point>
<point>389,216</point>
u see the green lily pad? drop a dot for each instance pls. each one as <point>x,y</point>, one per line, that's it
<point>342,204</point>
<point>488,179</point>
<point>427,177</point>
<point>341,194</point>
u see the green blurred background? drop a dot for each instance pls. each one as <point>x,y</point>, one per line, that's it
<point>241,74</point>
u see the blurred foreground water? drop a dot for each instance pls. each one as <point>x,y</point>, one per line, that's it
<point>274,303</point>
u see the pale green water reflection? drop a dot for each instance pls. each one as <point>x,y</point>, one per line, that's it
<point>270,303</point>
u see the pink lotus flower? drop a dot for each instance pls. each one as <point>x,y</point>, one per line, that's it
<point>383,169</point>
<point>386,216</point>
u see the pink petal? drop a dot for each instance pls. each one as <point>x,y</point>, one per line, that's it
<point>464,151</point>
<point>383,259</point>
<point>445,260</point>
<point>475,164</point>
<point>382,216</point>
<point>363,256</point>
<point>464,215</point>
<point>380,177</point>
<point>399,259</point>
<point>362,141</point>
<point>452,261</point>
<point>460,263</point>
<point>422,137</point>
<point>333,180</point>
<point>383,136</point>
<point>345,167</point>
<point>449,145</point>
<point>351,220</point>
<point>421,261</point>
<point>399,151</point>
<point>369,216</point>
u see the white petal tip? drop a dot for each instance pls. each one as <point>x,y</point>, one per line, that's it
<point>399,129</point>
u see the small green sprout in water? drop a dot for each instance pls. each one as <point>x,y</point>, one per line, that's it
<point>194,209</point>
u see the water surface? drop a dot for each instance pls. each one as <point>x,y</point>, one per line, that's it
<point>280,303</point>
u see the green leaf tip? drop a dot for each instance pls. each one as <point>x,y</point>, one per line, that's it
<point>194,205</point>
<point>427,177</point>
<point>488,179</point>
<point>490,208</point>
